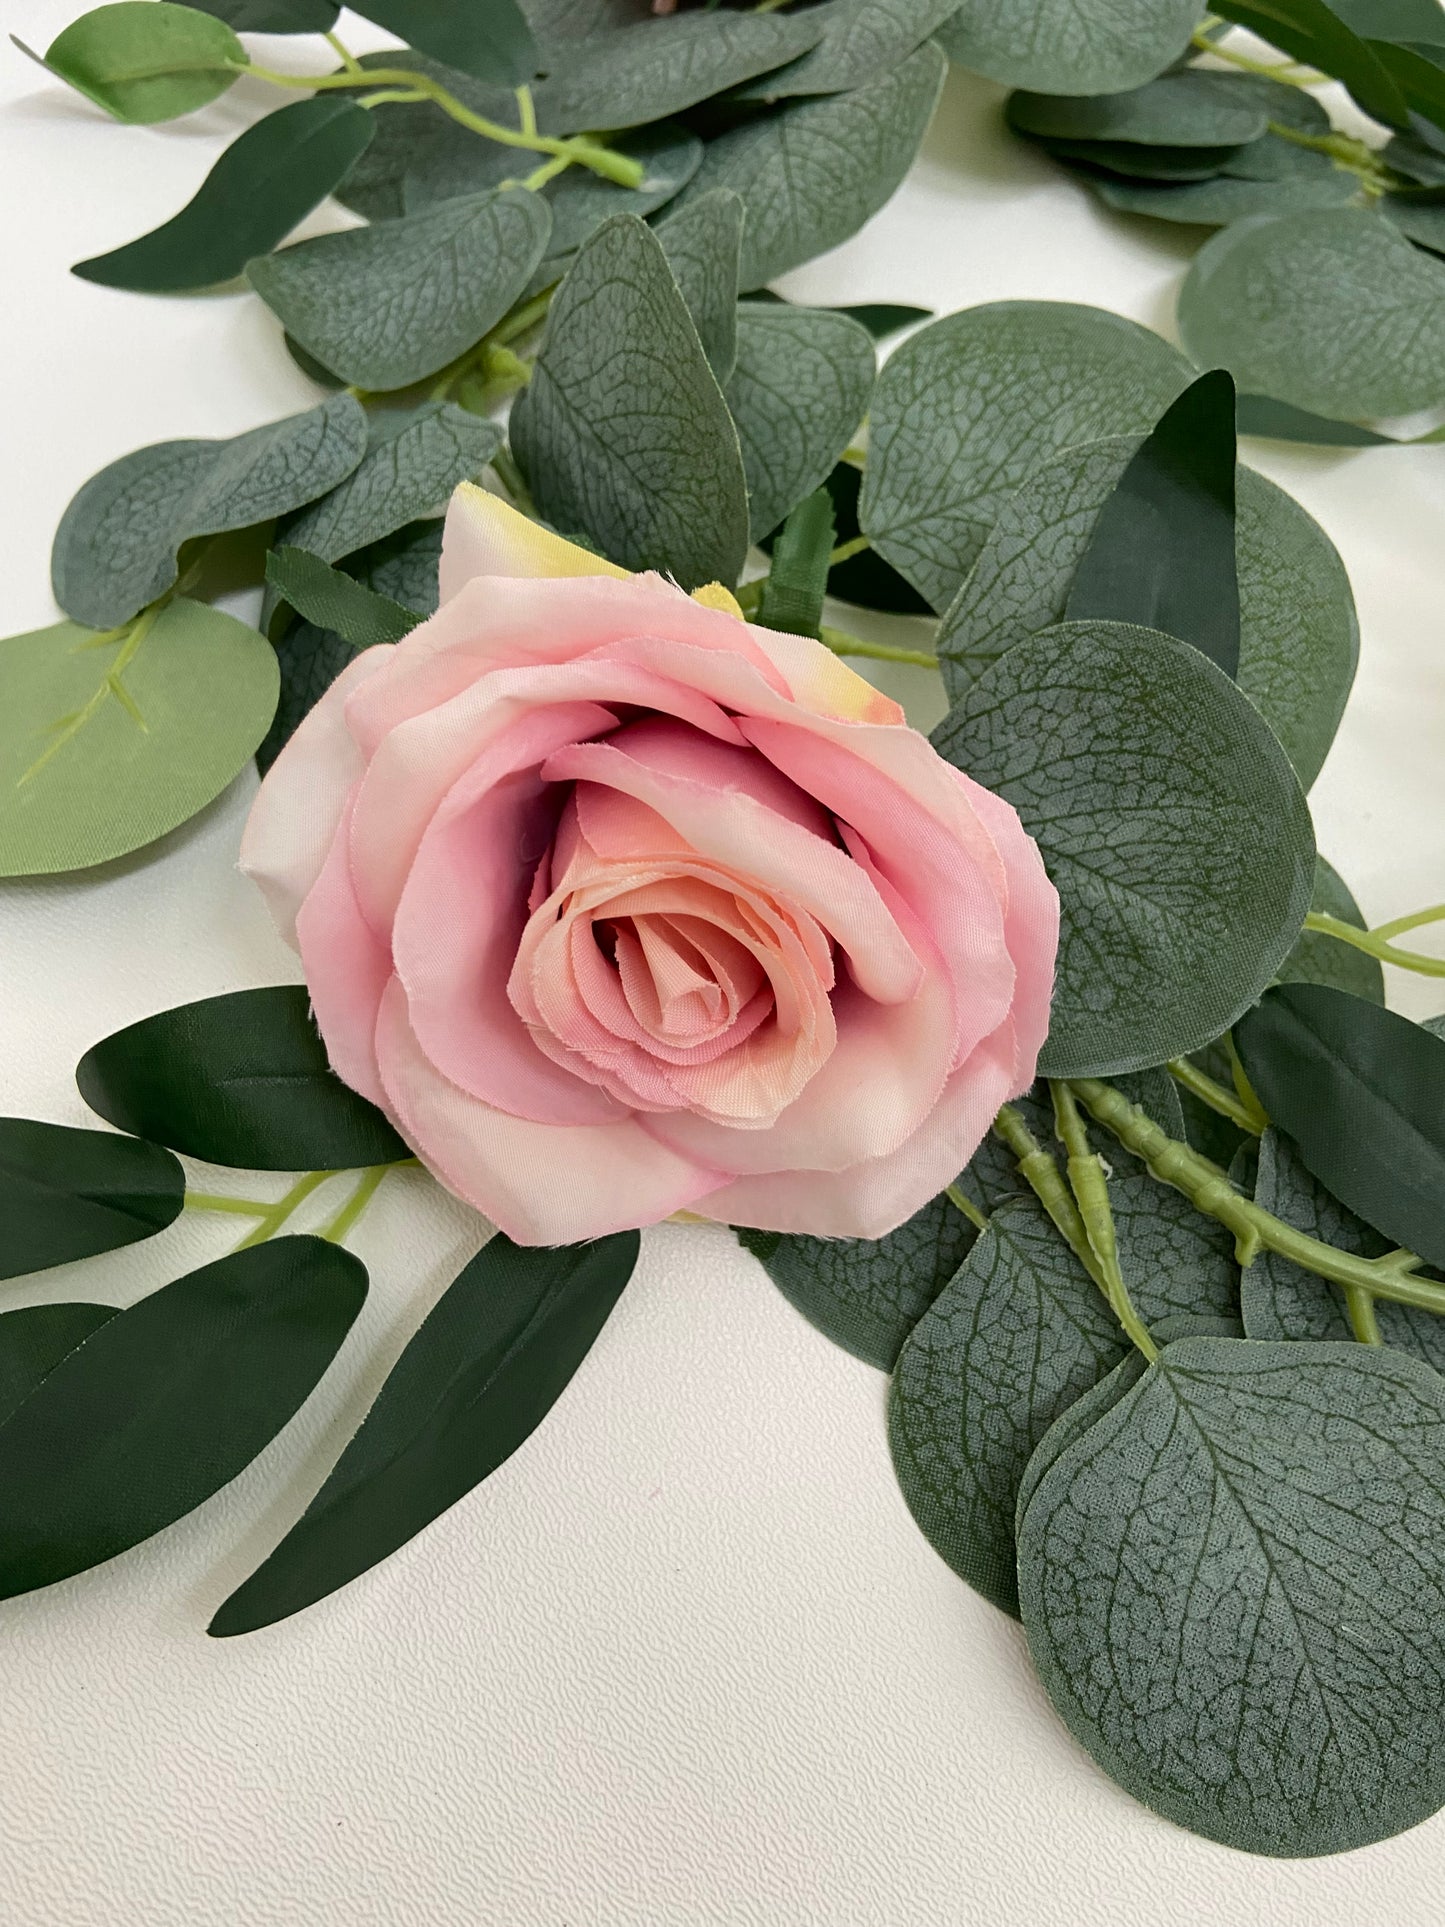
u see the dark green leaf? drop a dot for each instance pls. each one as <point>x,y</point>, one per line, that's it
<point>1415,158</point>
<point>487,1365</point>
<point>118,543</point>
<point>1278,421</point>
<point>1072,1424</point>
<point>68,1194</point>
<point>1170,822</point>
<point>798,392</point>
<point>623,432</point>
<point>1419,214</point>
<point>703,243</point>
<point>388,304</point>
<point>865,578</point>
<point>1299,638</point>
<point>1282,1300</point>
<point>146,60</point>
<point>1321,34</point>
<point>35,1339</point>
<point>107,743</point>
<point>867,1294</point>
<point>1361,1093</point>
<point>265,182</point>
<point>331,600</point>
<point>968,406</point>
<point>1318,959</point>
<point>1233,1586</point>
<point>794,588</point>
<point>1060,47</point>
<point>1331,310</point>
<point>1217,202</point>
<point>861,39</point>
<point>274,16</point>
<point>165,1403</point>
<point>884,318</point>
<point>1136,161</point>
<point>1161,553</point>
<point>811,174</point>
<point>488,39</point>
<point>239,1079</point>
<point>1188,109</point>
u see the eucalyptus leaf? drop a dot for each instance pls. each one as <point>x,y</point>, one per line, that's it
<point>1360,1091</point>
<point>1319,959</point>
<point>1217,202</point>
<point>388,304</point>
<point>274,16</point>
<point>798,392</point>
<point>1187,109</point>
<point>1138,161</point>
<point>33,1341</point>
<point>67,1194</point>
<point>1059,47</point>
<point>1282,1300</point>
<point>861,39</point>
<point>107,742</point>
<point>239,1079</point>
<point>966,408</point>
<point>490,39</point>
<point>334,601</point>
<point>622,432</point>
<point>119,541</point>
<point>146,60</point>
<point>1232,1586</point>
<point>867,1294</point>
<point>267,180</point>
<point>1299,637</point>
<point>165,1403</point>
<point>1161,551</point>
<point>1169,820</point>
<point>1072,1424</point>
<point>703,244</point>
<point>486,1366</point>
<point>812,173</point>
<point>1419,215</point>
<point>1330,310</point>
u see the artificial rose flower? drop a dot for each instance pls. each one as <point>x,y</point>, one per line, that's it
<point>618,905</point>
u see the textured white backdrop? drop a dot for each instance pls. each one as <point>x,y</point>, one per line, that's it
<point>685,1660</point>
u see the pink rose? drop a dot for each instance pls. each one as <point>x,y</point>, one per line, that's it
<point>618,905</point>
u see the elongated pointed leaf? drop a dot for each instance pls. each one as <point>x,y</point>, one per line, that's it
<point>67,1194</point>
<point>794,588</point>
<point>33,1341</point>
<point>1360,1091</point>
<point>274,16</point>
<point>146,60</point>
<point>265,182</point>
<point>1161,553</point>
<point>489,39</point>
<point>1323,34</point>
<point>119,541</point>
<point>487,1365</point>
<point>334,601</point>
<point>165,1403</point>
<point>1170,822</point>
<point>239,1079</point>
<point>1233,1586</point>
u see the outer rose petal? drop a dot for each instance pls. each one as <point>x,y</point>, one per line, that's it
<point>485,536</point>
<point>347,968</point>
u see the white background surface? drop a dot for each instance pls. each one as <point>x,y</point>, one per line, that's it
<point>685,1660</point>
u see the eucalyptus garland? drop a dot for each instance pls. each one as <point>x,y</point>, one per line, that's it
<point>1165,1355</point>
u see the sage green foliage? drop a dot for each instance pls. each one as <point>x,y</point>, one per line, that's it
<point>1277,421</point>
<point>1169,820</point>
<point>1319,1056</point>
<point>1159,166</point>
<point>67,1194</point>
<point>703,244</point>
<point>1187,109</point>
<point>1282,1300</point>
<point>867,1294</point>
<point>239,1079</point>
<point>141,1422</point>
<point>1328,35</point>
<point>1331,310</point>
<point>1232,1586</point>
<point>146,60</point>
<point>861,39</point>
<point>106,744</point>
<point>622,432</point>
<point>1419,215</point>
<point>1059,47</point>
<point>388,304</point>
<point>337,602</point>
<point>1299,636</point>
<point>265,182</point>
<point>652,68</point>
<point>812,173</point>
<point>33,1341</point>
<point>1225,198</point>
<point>491,41</point>
<point>274,16</point>
<point>485,1367</point>
<point>1318,959</point>
<point>798,392</point>
<point>966,408</point>
<point>119,541</point>
<point>1161,551</point>
<point>794,587</point>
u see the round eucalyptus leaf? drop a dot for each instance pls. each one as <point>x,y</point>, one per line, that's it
<point>1320,959</point>
<point>1330,309</point>
<point>146,60</point>
<point>1188,109</point>
<point>1060,47</point>
<point>1217,202</point>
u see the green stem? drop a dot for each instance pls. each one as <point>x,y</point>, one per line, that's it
<point>1213,1094</point>
<point>1355,156</point>
<point>620,168</point>
<point>217,1201</point>
<point>1209,1190</point>
<point>367,1187</point>
<point>845,551</point>
<point>842,644</point>
<point>966,1205</point>
<point>1091,1192</point>
<point>1289,72</point>
<point>275,1215</point>
<point>1041,1175</point>
<point>343,54</point>
<point>1374,944</point>
<point>1400,925</point>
